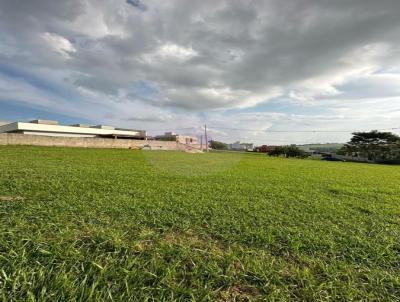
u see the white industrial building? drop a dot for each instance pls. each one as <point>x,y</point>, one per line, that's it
<point>238,146</point>
<point>52,128</point>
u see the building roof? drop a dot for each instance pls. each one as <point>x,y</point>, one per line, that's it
<point>45,122</point>
<point>39,127</point>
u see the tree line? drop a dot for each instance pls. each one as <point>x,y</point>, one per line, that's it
<point>380,147</point>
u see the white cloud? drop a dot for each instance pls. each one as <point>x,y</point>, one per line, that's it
<point>59,44</point>
<point>170,51</point>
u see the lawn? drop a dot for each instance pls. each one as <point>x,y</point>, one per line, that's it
<point>124,225</point>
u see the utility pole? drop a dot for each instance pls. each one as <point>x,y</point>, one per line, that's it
<point>205,134</point>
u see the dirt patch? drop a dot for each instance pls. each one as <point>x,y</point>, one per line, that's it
<point>184,239</point>
<point>240,293</point>
<point>11,198</point>
<point>196,243</point>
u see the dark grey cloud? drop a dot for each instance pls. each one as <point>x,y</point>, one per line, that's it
<point>158,119</point>
<point>203,55</point>
<point>138,4</point>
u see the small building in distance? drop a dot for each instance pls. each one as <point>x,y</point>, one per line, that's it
<point>182,139</point>
<point>170,133</point>
<point>238,146</point>
<point>186,139</point>
<point>52,128</point>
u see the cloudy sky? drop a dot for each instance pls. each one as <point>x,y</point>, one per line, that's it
<point>270,66</point>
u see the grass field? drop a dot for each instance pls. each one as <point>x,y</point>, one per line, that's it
<point>122,225</point>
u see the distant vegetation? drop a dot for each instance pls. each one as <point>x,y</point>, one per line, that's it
<point>216,145</point>
<point>374,145</point>
<point>288,151</point>
<point>168,138</point>
<point>123,225</point>
<point>328,148</point>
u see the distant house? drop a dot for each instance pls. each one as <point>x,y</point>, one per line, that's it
<point>238,146</point>
<point>182,139</point>
<point>188,140</point>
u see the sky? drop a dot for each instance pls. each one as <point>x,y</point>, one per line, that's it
<point>267,71</point>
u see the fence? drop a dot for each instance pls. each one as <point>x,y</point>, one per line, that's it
<point>89,142</point>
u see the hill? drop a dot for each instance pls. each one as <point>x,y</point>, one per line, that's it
<point>330,147</point>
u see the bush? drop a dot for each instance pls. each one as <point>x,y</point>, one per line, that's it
<point>218,145</point>
<point>167,138</point>
<point>288,151</point>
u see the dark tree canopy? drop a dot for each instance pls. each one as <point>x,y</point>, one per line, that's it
<point>171,138</point>
<point>373,138</point>
<point>218,145</point>
<point>288,151</point>
<point>373,145</point>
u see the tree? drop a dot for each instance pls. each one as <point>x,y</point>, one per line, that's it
<point>293,151</point>
<point>170,138</point>
<point>278,151</point>
<point>373,145</point>
<point>288,151</point>
<point>216,145</point>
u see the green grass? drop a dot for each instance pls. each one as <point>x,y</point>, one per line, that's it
<point>122,225</point>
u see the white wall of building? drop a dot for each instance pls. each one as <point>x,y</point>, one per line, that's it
<point>59,130</point>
